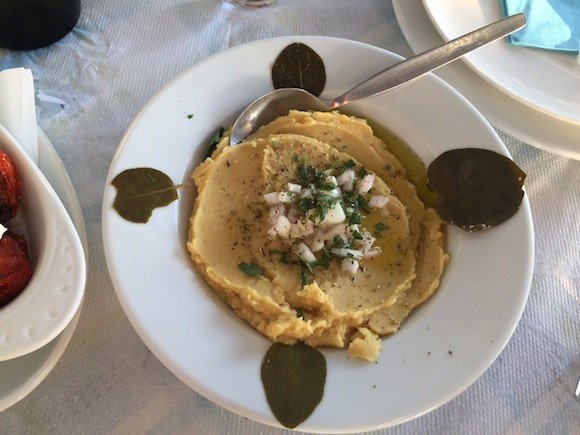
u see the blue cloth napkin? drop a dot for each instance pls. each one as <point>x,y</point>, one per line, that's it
<point>551,24</point>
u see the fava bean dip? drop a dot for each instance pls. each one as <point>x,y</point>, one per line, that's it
<point>311,231</point>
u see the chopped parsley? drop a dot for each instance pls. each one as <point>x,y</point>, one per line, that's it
<point>304,275</point>
<point>347,165</point>
<point>362,172</point>
<point>310,177</point>
<point>214,141</point>
<point>308,174</point>
<point>381,226</point>
<point>308,268</point>
<point>250,269</point>
<point>305,204</point>
<point>299,312</point>
<point>284,258</point>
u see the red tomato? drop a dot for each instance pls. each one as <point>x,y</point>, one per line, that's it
<point>9,188</point>
<point>15,268</point>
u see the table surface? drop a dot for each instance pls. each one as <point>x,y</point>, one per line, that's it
<point>119,55</point>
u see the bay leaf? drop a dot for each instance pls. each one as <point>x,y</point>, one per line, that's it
<point>477,188</point>
<point>299,66</point>
<point>293,379</point>
<point>140,191</point>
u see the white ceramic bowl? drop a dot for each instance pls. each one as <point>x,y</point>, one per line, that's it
<point>55,291</point>
<point>196,335</point>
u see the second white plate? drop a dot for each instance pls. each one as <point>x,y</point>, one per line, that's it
<point>508,114</point>
<point>22,375</point>
<point>546,81</point>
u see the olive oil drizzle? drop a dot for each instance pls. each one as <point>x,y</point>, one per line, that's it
<point>416,169</point>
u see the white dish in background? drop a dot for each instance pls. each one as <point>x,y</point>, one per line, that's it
<point>515,118</point>
<point>195,334</point>
<point>547,81</point>
<point>22,375</point>
<point>55,291</point>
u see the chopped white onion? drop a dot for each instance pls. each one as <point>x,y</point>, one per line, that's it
<point>274,198</point>
<point>366,184</point>
<point>317,242</point>
<point>373,252</point>
<point>306,193</point>
<point>275,212</point>
<point>367,241</point>
<point>378,201</point>
<point>334,215</point>
<point>335,193</point>
<point>295,188</point>
<point>350,265</point>
<point>272,233</point>
<point>346,252</point>
<point>331,179</point>
<point>286,197</point>
<point>283,226</point>
<point>355,228</point>
<point>346,180</point>
<point>302,228</point>
<point>303,252</point>
<point>271,198</point>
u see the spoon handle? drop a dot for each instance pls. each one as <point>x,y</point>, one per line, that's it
<point>430,60</point>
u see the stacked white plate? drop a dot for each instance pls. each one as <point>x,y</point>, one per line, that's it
<point>21,374</point>
<point>531,94</point>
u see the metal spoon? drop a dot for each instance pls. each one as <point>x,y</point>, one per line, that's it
<point>279,102</point>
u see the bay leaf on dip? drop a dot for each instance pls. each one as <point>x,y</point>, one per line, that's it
<point>477,188</point>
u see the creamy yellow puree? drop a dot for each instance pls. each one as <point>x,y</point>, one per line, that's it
<point>229,226</point>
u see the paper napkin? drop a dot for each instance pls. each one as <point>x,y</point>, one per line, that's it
<point>17,108</point>
<point>551,24</point>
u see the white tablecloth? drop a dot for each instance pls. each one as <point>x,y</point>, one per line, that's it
<point>120,54</point>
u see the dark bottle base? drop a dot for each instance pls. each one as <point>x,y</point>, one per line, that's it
<point>31,24</point>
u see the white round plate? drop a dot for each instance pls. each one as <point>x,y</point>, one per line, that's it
<point>546,81</point>
<point>195,334</point>
<point>515,118</point>
<point>22,375</point>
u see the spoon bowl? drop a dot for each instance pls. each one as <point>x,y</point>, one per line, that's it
<point>54,293</point>
<point>280,101</point>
